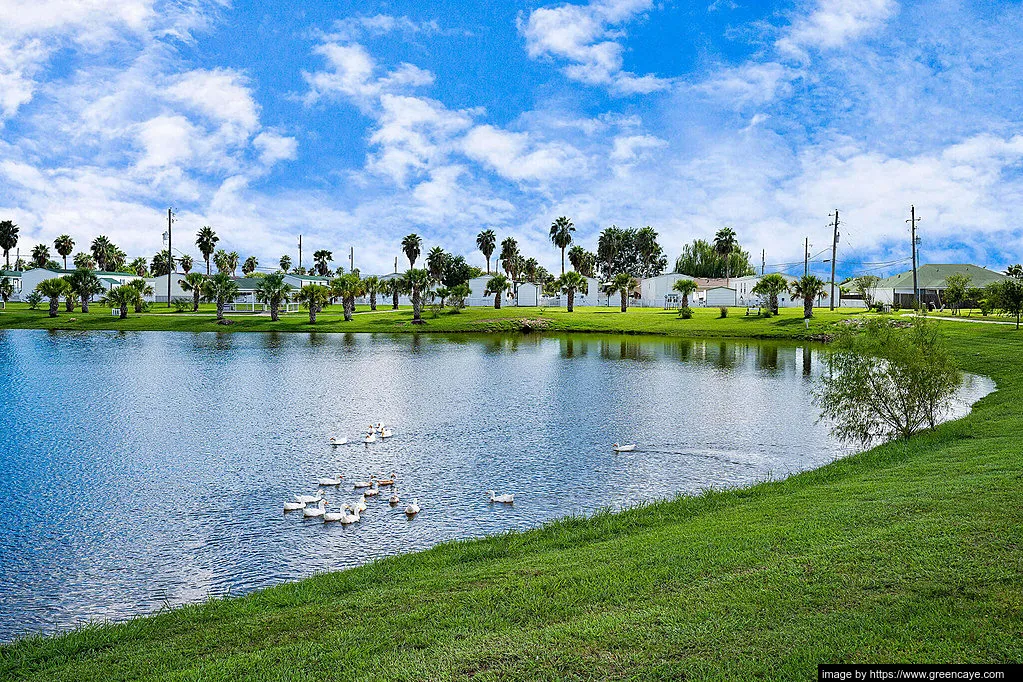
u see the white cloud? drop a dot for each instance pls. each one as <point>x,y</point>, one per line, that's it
<point>630,148</point>
<point>354,28</point>
<point>353,73</point>
<point>517,157</point>
<point>833,23</point>
<point>587,36</point>
<point>750,83</point>
<point>222,95</point>
<point>274,147</point>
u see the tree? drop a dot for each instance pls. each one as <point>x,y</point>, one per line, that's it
<point>458,271</point>
<point>101,249</point>
<point>8,239</point>
<point>509,255</point>
<point>394,287</point>
<point>561,236</point>
<point>412,246</point>
<point>956,286</point>
<point>699,259</point>
<point>206,240</point>
<point>85,284</point>
<point>40,254</point>
<point>809,288</point>
<point>435,262</point>
<point>53,289</point>
<point>220,289</point>
<point>418,283</point>
<point>186,263</point>
<point>6,289</point>
<point>1014,271</point>
<point>84,261</point>
<point>285,263</point>
<point>486,242</point>
<point>652,260</point>
<point>582,261</point>
<point>249,266</point>
<point>724,244</point>
<point>140,266</point>
<point>372,285</point>
<point>457,295</point>
<point>347,288</point>
<point>273,291</point>
<point>193,282</point>
<point>313,297</point>
<point>161,264</point>
<point>571,282</point>
<point>635,252</point>
<point>1007,296</point>
<point>770,287</point>
<point>623,283</point>
<point>864,286</point>
<point>144,288</point>
<point>321,260</point>
<point>887,382</point>
<point>497,286</point>
<point>222,261</point>
<point>232,262</point>
<point>686,287</point>
<point>122,297</point>
<point>64,245</point>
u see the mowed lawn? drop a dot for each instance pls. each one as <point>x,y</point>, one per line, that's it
<point>912,551</point>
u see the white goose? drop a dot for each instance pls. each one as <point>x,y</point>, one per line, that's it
<point>412,509</point>
<point>309,499</point>
<point>338,441</point>
<point>318,510</point>
<point>371,437</point>
<point>364,484</point>
<point>293,506</point>
<point>350,518</point>
<point>624,448</point>
<point>330,481</point>
<point>386,432</point>
<point>372,492</point>
<point>339,515</point>
<point>386,481</point>
<point>361,504</point>
<point>506,499</point>
<point>394,499</point>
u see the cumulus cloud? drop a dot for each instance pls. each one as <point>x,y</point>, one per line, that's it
<point>833,23</point>
<point>516,156</point>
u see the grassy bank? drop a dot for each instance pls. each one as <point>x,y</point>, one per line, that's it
<point>908,552</point>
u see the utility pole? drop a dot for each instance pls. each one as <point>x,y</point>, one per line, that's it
<point>396,265</point>
<point>806,257</point>
<point>913,239</point>
<point>300,253</point>
<point>351,259</point>
<point>834,256</point>
<point>763,261</point>
<point>170,256</point>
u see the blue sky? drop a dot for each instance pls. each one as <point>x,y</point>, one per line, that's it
<point>357,123</point>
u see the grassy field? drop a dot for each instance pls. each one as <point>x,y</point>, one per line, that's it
<point>912,551</point>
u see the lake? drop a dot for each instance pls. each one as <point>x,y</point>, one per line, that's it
<point>145,469</point>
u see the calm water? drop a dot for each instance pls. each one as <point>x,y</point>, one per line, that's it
<point>142,470</point>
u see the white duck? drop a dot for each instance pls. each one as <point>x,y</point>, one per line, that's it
<point>350,518</point>
<point>412,509</point>
<point>371,437</point>
<point>386,481</point>
<point>330,481</point>
<point>624,448</point>
<point>364,484</point>
<point>394,499</point>
<point>361,504</point>
<point>372,492</point>
<point>338,441</point>
<point>293,506</point>
<point>339,515</point>
<point>386,432</point>
<point>318,510</point>
<point>309,499</point>
<point>506,499</point>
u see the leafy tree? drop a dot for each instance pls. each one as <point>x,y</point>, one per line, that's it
<point>193,282</point>
<point>623,283</point>
<point>486,242</point>
<point>1014,271</point>
<point>412,246</point>
<point>635,252</point>
<point>122,297</point>
<point>64,245</point>
<point>686,287</point>
<point>1007,296</point>
<point>206,240</point>
<point>372,285</point>
<point>313,297</point>
<point>561,236</point>
<point>509,256</point>
<point>347,288</point>
<point>33,300</point>
<point>161,264</point>
<point>222,261</point>
<point>53,289</point>
<point>887,382</point>
<point>84,261</point>
<point>8,239</point>
<point>864,286</point>
<point>458,271</point>
<point>144,288</point>
<point>321,259</point>
<point>285,263</point>
<point>435,262</point>
<point>457,295</point>
<point>809,288</point>
<point>186,263</point>
<point>40,254</point>
<point>571,282</point>
<point>85,284</point>
<point>700,259</point>
<point>770,287</point>
<point>249,266</point>
<point>497,286</point>
<point>273,291</point>
<point>220,289</point>
<point>417,282</point>
<point>6,289</point>
<point>956,286</point>
<point>442,293</point>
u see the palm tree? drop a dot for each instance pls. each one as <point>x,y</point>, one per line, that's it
<point>222,260</point>
<point>232,262</point>
<point>273,291</point>
<point>144,288</point>
<point>347,288</point>
<point>101,249</point>
<point>121,297</point>
<point>84,261</point>
<point>64,245</point>
<point>115,258</point>
<point>412,246</point>
<point>561,234</point>
<point>6,289</point>
<point>372,286</point>
<point>186,263</point>
<point>140,266</point>
<point>394,287</point>
<point>206,239</point>
<point>809,288</point>
<point>435,261</point>
<point>194,282</point>
<point>8,239</point>
<point>509,254</point>
<point>313,297</point>
<point>686,287</point>
<point>570,282</point>
<point>486,241</point>
<point>724,244</point>
<point>161,264</point>
<point>771,286</point>
<point>40,255</point>
<point>249,266</point>
<point>53,289</point>
<point>220,289</point>
<point>530,269</point>
<point>497,286</point>
<point>418,283</point>
<point>320,260</point>
<point>623,283</point>
<point>85,284</point>
<point>285,263</point>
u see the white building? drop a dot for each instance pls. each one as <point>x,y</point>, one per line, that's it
<point>30,279</point>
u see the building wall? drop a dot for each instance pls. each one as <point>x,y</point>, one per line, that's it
<point>719,296</point>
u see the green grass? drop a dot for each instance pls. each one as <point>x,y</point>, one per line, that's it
<point>911,552</point>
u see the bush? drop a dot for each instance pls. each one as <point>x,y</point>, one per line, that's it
<point>182,305</point>
<point>723,311</point>
<point>33,300</point>
<point>435,309</point>
<point>685,312</point>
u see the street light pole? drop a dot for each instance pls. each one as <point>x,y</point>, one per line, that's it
<point>170,256</point>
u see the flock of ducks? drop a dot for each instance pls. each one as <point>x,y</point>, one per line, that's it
<point>315,506</point>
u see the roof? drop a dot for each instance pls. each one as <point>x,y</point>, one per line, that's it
<point>312,278</point>
<point>61,271</point>
<point>248,283</point>
<point>109,280</point>
<point>10,273</point>
<point>932,276</point>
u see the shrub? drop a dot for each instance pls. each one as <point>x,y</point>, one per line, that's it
<point>685,312</point>
<point>33,300</point>
<point>723,311</point>
<point>182,305</point>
